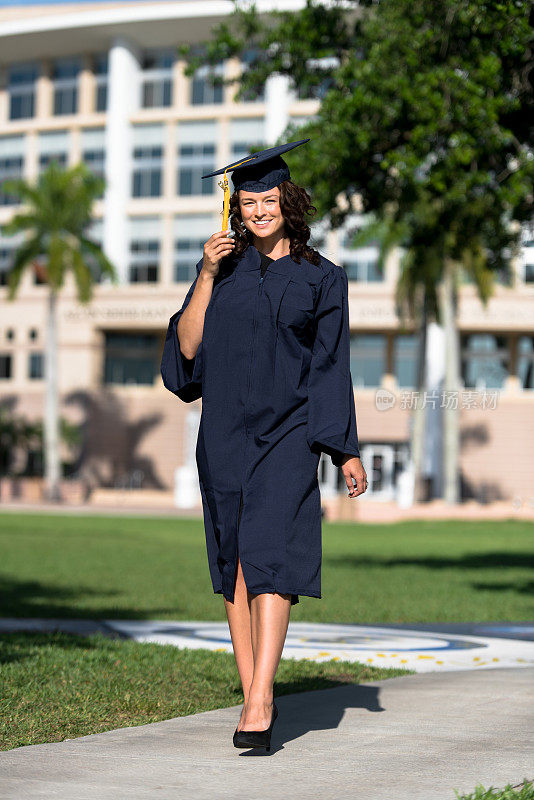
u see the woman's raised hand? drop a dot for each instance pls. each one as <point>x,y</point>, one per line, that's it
<point>216,248</point>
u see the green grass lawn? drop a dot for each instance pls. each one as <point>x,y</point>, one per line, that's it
<point>523,792</point>
<point>57,686</point>
<point>156,568</point>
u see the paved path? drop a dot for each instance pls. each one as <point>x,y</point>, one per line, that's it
<point>424,648</point>
<point>417,737</point>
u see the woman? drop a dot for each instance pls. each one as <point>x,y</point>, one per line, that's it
<point>263,338</point>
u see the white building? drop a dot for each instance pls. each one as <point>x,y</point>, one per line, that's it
<point>101,82</point>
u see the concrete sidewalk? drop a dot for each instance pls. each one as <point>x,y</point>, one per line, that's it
<point>417,737</point>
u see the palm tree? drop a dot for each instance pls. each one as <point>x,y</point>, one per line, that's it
<point>411,298</point>
<point>427,289</point>
<point>57,214</point>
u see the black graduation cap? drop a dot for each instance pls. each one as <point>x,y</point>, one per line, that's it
<point>260,171</point>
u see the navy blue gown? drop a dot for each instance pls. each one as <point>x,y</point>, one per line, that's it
<point>273,371</point>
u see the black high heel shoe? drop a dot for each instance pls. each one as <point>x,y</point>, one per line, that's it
<point>256,738</point>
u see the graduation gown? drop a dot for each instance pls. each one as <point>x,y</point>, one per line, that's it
<point>273,372</point>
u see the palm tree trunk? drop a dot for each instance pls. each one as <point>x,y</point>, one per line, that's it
<point>51,422</point>
<point>451,438</point>
<point>419,412</point>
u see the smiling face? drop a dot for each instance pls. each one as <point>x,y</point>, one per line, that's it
<point>261,212</point>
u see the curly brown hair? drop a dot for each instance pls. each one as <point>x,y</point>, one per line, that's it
<point>295,203</point>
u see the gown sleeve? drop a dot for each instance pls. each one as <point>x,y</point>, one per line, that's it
<point>182,376</point>
<point>331,425</point>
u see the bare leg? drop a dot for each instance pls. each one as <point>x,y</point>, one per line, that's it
<point>269,622</point>
<point>238,614</point>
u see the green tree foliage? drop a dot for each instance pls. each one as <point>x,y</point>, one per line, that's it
<point>426,115</point>
<point>19,433</point>
<point>57,214</point>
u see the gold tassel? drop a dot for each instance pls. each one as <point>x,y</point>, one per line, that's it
<point>226,189</point>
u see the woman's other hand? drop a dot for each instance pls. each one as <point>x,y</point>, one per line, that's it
<point>216,248</point>
<point>352,469</point>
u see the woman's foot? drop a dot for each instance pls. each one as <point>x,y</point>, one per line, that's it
<point>241,718</point>
<point>256,714</point>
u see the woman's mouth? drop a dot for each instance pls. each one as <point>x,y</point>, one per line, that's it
<point>262,223</point>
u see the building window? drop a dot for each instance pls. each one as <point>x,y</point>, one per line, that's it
<point>95,234</point>
<point>384,461</point>
<point>196,156</point>
<point>10,334</point>
<point>190,235</point>
<point>33,334</point>
<point>361,269</point>
<point>203,92</point>
<point>94,151</point>
<point>148,164</point>
<point>485,359</point>
<point>35,366</point>
<point>405,353</point>
<point>525,361</point>
<point>5,366</point>
<point>156,80</point>
<point>46,158</point>
<point>21,88</point>
<point>65,77</point>
<point>10,168</point>
<point>5,260</point>
<point>527,261</point>
<point>131,358</point>
<point>246,134</point>
<point>95,160</point>
<point>34,463</point>
<point>53,145</point>
<point>11,165</point>
<point>101,80</point>
<point>144,261</point>
<point>187,254</point>
<point>8,246</point>
<point>147,160</point>
<point>500,276</point>
<point>195,161</point>
<point>367,358</point>
<point>145,237</point>
<point>361,263</point>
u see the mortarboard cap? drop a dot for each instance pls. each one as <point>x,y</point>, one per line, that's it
<point>261,171</point>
